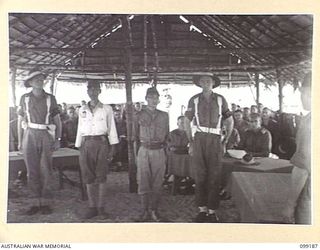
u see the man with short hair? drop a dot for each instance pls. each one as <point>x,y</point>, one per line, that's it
<point>95,128</point>
<point>150,132</point>
<point>256,140</point>
<point>239,123</point>
<point>206,112</point>
<point>38,115</point>
<point>246,114</point>
<point>272,126</point>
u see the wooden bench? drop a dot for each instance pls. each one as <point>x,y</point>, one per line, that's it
<point>260,197</point>
<point>62,159</point>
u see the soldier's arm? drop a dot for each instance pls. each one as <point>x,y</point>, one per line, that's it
<point>19,127</point>
<point>57,122</point>
<point>228,122</point>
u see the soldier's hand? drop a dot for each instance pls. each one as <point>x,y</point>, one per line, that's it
<point>56,145</point>
<point>191,149</point>
<point>20,147</point>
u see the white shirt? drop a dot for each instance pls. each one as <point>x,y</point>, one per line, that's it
<point>98,122</point>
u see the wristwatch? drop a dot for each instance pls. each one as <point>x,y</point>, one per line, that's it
<point>58,139</point>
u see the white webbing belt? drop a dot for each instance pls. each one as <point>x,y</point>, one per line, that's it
<point>37,126</point>
<point>199,128</point>
<point>209,130</point>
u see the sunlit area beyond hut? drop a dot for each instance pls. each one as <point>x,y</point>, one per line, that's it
<point>260,62</point>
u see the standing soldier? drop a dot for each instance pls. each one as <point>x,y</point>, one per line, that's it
<point>96,123</point>
<point>207,111</point>
<point>151,130</point>
<point>39,117</point>
<point>298,206</point>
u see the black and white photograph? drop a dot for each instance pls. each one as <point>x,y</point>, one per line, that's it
<point>160,118</point>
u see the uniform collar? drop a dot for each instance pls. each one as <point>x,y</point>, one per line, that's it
<point>212,95</point>
<point>43,94</point>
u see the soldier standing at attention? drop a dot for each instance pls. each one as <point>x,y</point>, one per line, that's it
<point>96,123</point>
<point>207,111</point>
<point>151,130</point>
<point>38,115</point>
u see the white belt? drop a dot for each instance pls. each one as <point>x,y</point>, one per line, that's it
<point>39,126</point>
<point>216,131</point>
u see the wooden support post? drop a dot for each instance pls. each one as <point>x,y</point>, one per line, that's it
<point>133,186</point>
<point>145,42</point>
<point>13,86</point>
<point>256,79</point>
<point>280,85</point>
<point>155,46</point>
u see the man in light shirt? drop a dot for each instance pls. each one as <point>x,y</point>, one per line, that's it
<point>96,136</point>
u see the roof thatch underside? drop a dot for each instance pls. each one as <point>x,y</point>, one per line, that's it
<point>76,47</point>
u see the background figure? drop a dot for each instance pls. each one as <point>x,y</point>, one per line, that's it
<point>298,209</point>
<point>39,116</point>
<point>121,149</point>
<point>70,127</point>
<point>257,140</point>
<point>206,147</point>
<point>246,114</point>
<point>240,124</point>
<point>179,162</point>
<point>254,109</point>
<point>273,127</point>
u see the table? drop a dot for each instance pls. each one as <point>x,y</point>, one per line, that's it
<point>62,159</point>
<point>267,165</point>
<point>260,197</point>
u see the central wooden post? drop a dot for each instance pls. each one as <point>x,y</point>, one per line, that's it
<point>133,186</point>
<point>280,85</point>
<point>256,79</point>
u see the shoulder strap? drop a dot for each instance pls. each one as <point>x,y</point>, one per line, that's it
<point>26,100</point>
<point>48,109</point>
<point>220,111</point>
<point>196,113</point>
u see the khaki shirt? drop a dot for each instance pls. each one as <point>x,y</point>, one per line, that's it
<point>151,126</point>
<point>99,121</point>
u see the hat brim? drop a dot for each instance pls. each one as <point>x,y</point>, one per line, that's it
<point>216,80</point>
<point>31,76</point>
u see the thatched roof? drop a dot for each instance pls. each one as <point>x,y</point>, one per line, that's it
<point>172,47</point>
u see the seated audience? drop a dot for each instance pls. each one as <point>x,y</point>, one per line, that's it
<point>257,140</point>
<point>121,148</point>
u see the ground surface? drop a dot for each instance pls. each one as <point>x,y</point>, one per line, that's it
<point>121,205</point>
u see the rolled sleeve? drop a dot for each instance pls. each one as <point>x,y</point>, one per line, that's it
<point>190,110</point>
<point>225,110</point>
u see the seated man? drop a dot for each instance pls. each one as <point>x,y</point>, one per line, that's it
<point>178,157</point>
<point>239,123</point>
<point>271,125</point>
<point>257,140</point>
